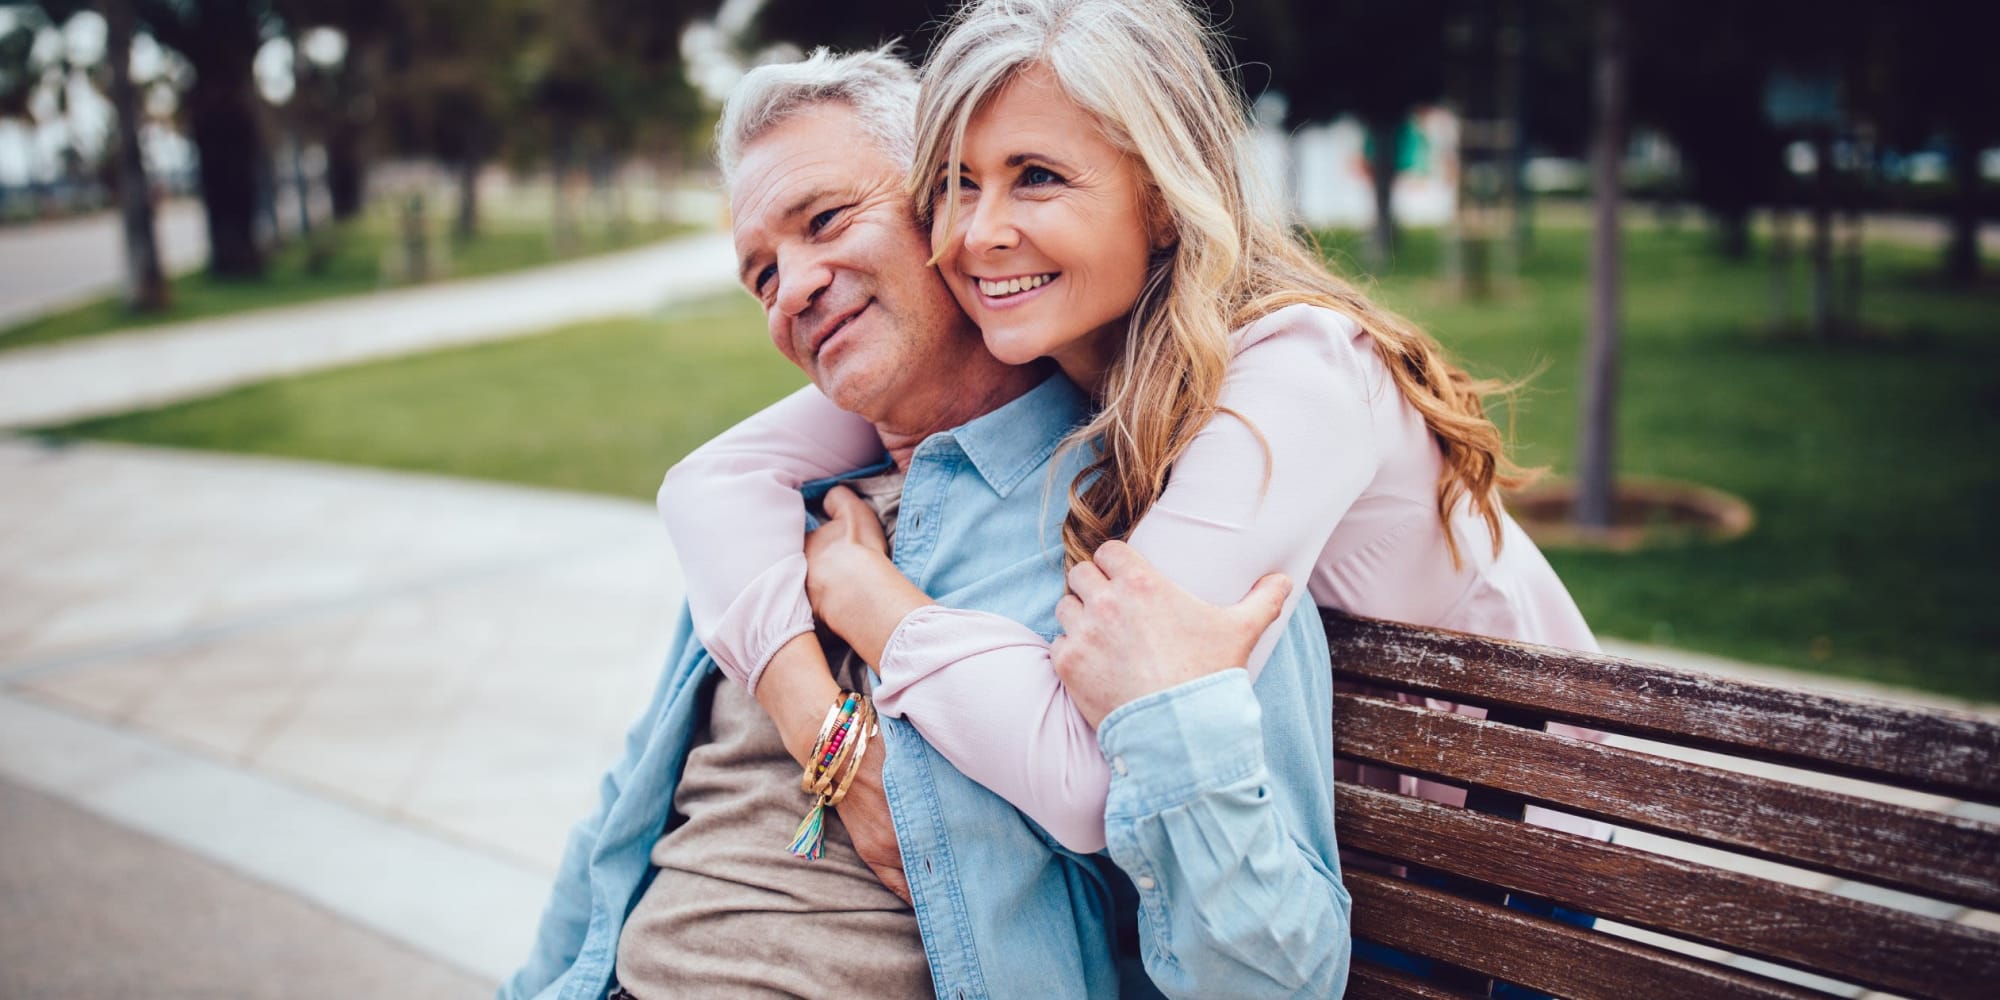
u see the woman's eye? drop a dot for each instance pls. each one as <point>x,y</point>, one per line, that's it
<point>1038,176</point>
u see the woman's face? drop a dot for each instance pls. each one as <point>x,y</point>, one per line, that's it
<point>1047,249</point>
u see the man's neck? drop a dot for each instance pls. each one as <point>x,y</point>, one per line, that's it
<point>902,434</point>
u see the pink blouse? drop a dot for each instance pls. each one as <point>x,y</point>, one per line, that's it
<point>1349,506</point>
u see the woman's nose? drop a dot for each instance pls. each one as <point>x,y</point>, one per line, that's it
<point>991,226</point>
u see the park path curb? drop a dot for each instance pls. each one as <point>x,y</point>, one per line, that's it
<point>115,373</point>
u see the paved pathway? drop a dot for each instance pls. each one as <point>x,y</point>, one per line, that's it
<point>388,695</point>
<point>50,265</point>
<point>118,372</point>
<point>258,683</point>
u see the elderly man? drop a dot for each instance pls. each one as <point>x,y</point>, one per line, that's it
<point>678,884</point>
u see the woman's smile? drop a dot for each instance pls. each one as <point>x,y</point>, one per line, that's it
<point>1004,293</point>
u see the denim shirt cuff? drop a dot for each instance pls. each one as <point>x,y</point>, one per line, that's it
<point>1169,746</point>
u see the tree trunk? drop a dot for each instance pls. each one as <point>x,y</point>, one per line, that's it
<point>1732,232</point>
<point>1508,248</point>
<point>1597,446</point>
<point>230,148</point>
<point>1781,265</point>
<point>145,282</point>
<point>1822,236</point>
<point>301,184</point>
<point>563,217</point>
<point>1385,137</point>
<point>1961,254</point>
<point>346,174</point>
<point>466,226</point>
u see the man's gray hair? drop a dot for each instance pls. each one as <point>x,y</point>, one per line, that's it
<point>876,83</point>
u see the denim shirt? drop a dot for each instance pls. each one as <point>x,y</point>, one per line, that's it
<point>1220,818</point>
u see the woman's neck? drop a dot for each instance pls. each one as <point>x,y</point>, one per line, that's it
<point>1087,359</point>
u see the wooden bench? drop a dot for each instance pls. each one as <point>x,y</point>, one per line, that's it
<point>1803,814</point>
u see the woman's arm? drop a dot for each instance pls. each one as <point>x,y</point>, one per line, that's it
<point>737,522</point>
<point>982,689</point>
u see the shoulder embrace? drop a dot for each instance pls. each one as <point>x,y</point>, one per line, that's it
<point>1302,320</point>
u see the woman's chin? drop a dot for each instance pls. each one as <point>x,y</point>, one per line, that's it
<point>1011,349</point>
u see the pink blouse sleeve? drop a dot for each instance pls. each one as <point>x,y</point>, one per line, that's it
<point>738,524</point>
<point>980,688</point>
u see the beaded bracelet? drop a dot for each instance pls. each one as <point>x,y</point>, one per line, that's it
<point>831,768</point>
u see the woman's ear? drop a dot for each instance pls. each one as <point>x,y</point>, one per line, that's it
<point>1160,229</point>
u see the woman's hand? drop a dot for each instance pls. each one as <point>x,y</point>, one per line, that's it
<point>1129,631</point>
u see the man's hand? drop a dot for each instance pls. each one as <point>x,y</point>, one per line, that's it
<point>1129,631</point>
<point>865,813</point>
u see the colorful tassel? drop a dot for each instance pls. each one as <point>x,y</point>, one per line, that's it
<point>810,838</point>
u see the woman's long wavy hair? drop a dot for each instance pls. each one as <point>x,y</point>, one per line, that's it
<point>1148,71</point>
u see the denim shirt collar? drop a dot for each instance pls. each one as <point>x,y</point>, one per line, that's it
<point>1012,442</point>
<point>1006,445</point>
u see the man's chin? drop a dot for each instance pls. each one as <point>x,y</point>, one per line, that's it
<point>854,392</point>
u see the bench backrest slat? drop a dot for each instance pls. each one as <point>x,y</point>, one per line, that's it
<point>1542,954</point>
<point>1947,753</point>
<point>1373,982</point>
<point>1859,942</point>
<point>1927,853</point>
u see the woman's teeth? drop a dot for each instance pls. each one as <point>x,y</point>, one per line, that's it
<point>1013,286</point>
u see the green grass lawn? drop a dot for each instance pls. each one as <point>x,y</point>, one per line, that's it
<point>355,257</point>
<point>1869,461</point>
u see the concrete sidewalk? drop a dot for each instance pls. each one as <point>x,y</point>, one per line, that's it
<point>386,695</point>
<point>114,373</point>
<point>357,705</point>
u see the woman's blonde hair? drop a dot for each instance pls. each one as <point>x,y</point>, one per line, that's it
<point>1148,71</point>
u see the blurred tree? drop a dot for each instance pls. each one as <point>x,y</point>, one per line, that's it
<point>597,78</point>
<point>857,25</point>
<point>1597,445</point>
<point>20,76</point>
<point>145,282</point>
<point>448,87</point>
<point>47,64</point>
<point>1701,81</point>
<point>1929,77</point>
<point>1377,61</point>
<point>219,39</point>
<point>335,101</point>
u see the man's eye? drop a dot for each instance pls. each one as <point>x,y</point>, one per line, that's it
<point>824,219</point>
<point>764,277</point>
<point>1037,176</point>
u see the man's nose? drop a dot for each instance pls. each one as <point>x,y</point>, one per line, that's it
<point>991,226</point>
<point>800,282</point>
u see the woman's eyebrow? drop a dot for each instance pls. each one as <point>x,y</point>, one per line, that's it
<point>1019,159</point>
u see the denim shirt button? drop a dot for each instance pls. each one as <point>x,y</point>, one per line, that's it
<point>1118,764</point>
<point>1145,883</point>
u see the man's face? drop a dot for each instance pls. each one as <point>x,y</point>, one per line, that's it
<point>827,242</point>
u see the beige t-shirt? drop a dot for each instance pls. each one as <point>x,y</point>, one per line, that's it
<point>731,913</point>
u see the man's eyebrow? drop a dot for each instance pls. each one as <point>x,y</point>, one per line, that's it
<point>791,212</point>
